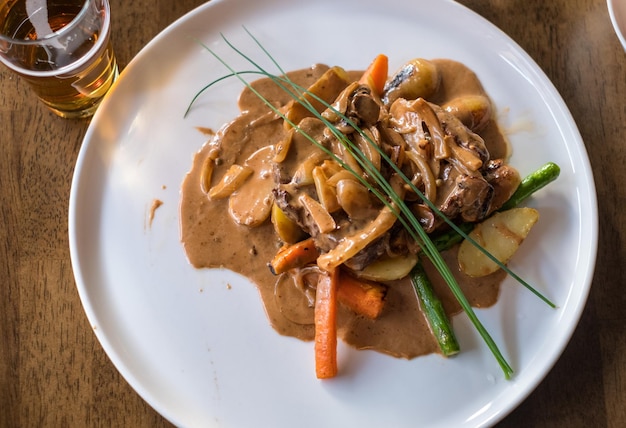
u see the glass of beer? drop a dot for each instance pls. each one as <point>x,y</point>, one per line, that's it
<point>62,49</point>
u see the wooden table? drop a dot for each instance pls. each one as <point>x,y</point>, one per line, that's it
<point>53,371</point>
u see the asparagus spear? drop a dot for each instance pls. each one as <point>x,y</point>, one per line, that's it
<point>434,312</point>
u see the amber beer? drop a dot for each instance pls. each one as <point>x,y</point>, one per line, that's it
<point>62,49</point>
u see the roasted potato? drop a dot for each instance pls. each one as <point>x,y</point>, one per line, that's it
<point>501,235</point>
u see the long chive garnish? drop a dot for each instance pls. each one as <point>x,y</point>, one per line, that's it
<point>362,159</point>
<point>364,162</point>
<point>393,201</point>
<point>211,84</point>
<point>423,240</point>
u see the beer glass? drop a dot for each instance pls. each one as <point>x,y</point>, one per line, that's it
<point>62,49</point>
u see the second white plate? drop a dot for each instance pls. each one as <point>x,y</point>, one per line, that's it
<point>617,13</point>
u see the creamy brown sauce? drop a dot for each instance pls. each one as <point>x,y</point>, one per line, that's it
<point>155,206</point>
<point>212,239</point>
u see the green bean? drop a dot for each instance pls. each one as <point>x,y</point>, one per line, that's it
<point>448,239</point>
<point>531,183</point>
<point>434,312</point>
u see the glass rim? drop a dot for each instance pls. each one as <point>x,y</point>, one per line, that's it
<point>55,34</point>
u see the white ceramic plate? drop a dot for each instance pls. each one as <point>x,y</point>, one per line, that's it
<point>195,344</point>
<point>617,12</point>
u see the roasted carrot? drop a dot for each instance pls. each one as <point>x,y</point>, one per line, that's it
<point>364,297</point>
<point>326,325</point>
<point>376,74</point>
<point>293,256</point>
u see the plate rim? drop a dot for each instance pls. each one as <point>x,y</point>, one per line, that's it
<point>618,21</point>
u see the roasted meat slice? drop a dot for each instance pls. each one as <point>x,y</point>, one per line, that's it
<point>470,198</point>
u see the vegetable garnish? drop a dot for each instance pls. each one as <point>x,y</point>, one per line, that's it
<point>389,191</point>
<point>548,172</point>
<point>532,183</point>
<point>434,312</point>
<point>326,325</point>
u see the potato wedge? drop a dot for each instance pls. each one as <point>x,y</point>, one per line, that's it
<point>388,269</point>
<point>286,229</point>
<point>327,88</point>
<point>501,235</point>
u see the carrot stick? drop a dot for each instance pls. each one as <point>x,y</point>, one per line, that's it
<point>293,256</point>
<point>326,326</point>
<point>376,74</point>
<point>364,297</point>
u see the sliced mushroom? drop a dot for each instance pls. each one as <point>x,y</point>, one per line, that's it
<point>355,199</point>
<point>363,107</point>
<point>426,175</point>
<point>283,146</point>
<point>304,173</point>
<point>467,158</point>
<point>232,180</point>
<point>340,106</point>
<point>430,122</point>
<point>421,129</point>
<point>326,194</point>
<point>368,143</point>
<point>351,245</point>
<point>321,217</point>
<point>425,216</point>
<point>461,134</point>
<point>252,203</point>
<point>206,173</point>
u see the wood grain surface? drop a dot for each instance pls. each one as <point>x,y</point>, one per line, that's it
<point>54,373</point>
